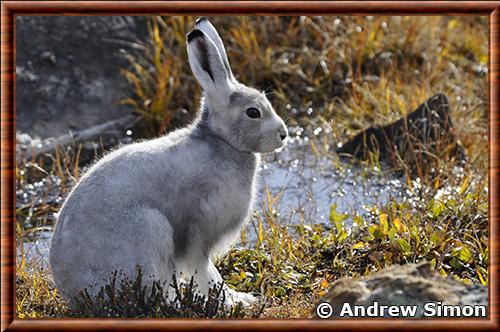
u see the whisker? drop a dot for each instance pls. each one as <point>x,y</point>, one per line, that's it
<point>268,91</point>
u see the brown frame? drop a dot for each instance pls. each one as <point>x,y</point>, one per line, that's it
<point>11,8</point>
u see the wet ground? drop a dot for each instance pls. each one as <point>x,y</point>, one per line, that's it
<point>305,182</point>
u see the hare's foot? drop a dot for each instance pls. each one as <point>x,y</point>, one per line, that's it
<point>210,276</point>
<point>233,297</point>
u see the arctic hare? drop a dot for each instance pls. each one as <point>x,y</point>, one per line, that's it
<point>166,204</point>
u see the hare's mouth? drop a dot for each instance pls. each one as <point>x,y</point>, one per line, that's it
<point>273,149</point>
<point>283,145</point>
<point>281,148</point>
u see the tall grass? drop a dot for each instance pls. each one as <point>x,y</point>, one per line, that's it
<point>159,85</point>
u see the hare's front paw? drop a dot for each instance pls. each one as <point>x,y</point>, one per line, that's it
<point>233,297</point>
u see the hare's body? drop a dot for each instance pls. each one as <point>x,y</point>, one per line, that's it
<point>156,195</point>
<point>168,203</point>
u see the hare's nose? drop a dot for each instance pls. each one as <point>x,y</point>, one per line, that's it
<point>283,134</point>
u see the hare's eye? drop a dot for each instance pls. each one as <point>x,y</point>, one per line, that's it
<point>253,113</point>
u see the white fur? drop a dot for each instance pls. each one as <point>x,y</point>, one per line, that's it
<point>167,204</point>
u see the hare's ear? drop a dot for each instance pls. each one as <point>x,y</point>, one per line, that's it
<point>206,62</point>
<point>208,29</point>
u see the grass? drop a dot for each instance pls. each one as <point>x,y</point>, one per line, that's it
<point>36,296</point>
<point>342,74</point>
<point>157,77</point>
<point>292,266</point>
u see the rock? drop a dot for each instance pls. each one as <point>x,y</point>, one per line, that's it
<point>68,71</point>
<point>425,133</point>
<point>410,284</point>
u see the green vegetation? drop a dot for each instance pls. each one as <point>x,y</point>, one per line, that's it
<point>293,265</point>
<point>344,73</point>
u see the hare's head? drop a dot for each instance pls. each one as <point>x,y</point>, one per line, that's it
<point>240,115</point>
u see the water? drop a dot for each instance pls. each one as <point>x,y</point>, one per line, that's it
<point>306,186</point>
<point>36,203</point>
<point>38,248</point>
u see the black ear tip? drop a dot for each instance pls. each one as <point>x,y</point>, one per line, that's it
<point>194,34</point>
<point>200,19</point>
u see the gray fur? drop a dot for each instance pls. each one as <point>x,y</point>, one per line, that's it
<point>168,204</point>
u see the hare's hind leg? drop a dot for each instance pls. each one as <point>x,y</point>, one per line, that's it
<point>151,245</point>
